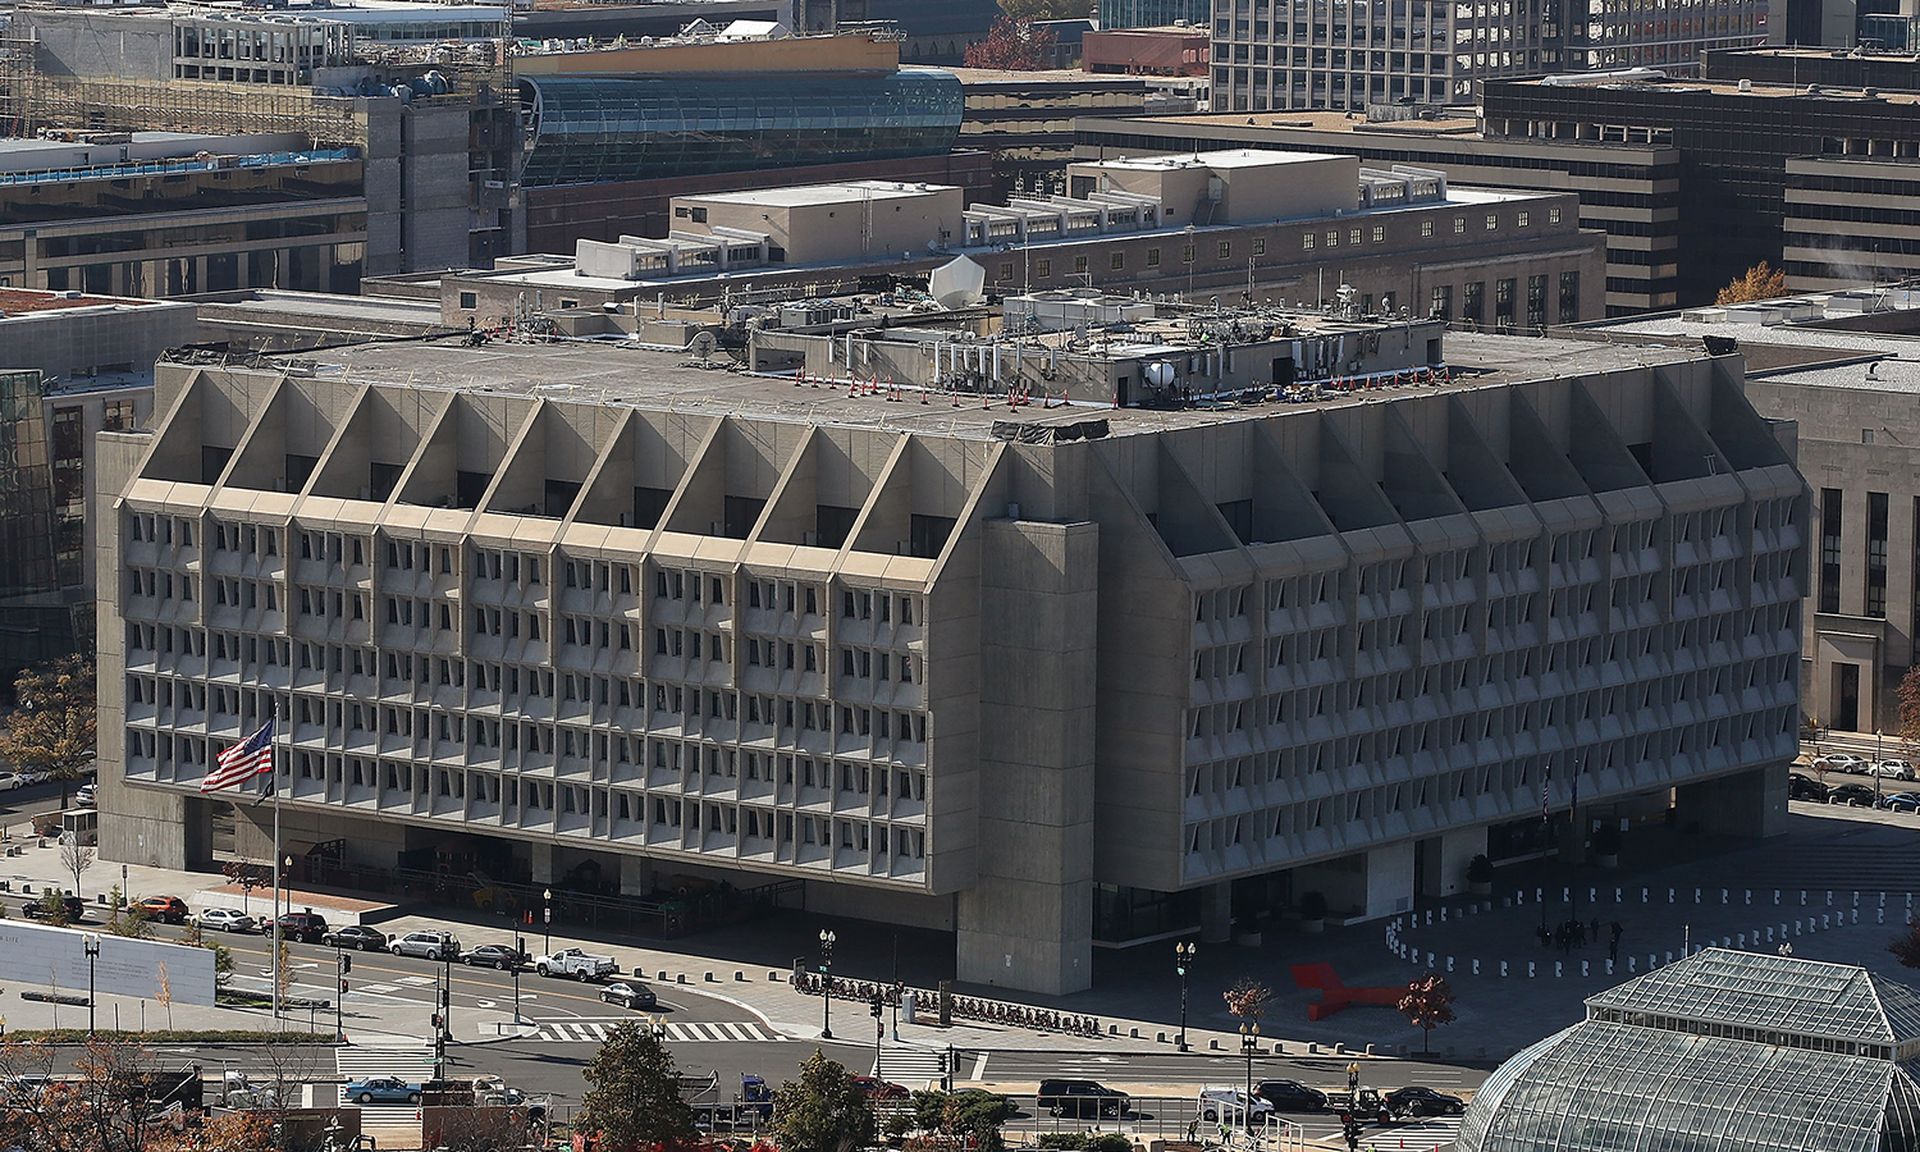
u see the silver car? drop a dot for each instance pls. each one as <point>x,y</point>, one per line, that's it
<point>428,945</point>
<point>226,920</point>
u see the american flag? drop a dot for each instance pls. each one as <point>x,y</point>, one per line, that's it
<point>251,757</point>
<point>1546,778</point>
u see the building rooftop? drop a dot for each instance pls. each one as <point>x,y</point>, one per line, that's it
<point>1808,999</point>
<point>1044,77</point>
<point>807,195</point>
<point>1226,158</point>
<point>617,372</point>
<point>19,302</point>
<point>1659,82</point>
<point>1798,335</point>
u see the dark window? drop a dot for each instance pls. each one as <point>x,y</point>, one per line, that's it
<point>1473,306</point>
<point>1876,553</point>
<point>1536,301</point>
<point>832,524</point>
<point>927,535</point>
<point>1503,303</point>
<point>1569,297</point>
<point>649,504</point>
<point>741,513</point>
<point>1829,549</point>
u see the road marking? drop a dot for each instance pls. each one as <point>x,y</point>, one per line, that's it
<point>418,981</point>
<point>583,1031</point>
<point>980,1067</point>
<point>487,1003</point>
<point>379,988</point>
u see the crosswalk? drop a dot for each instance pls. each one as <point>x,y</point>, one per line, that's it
<point>677,1032</point>
<point>1424,1135</point>
<point>391,1125</point>
<point>911,1067</point>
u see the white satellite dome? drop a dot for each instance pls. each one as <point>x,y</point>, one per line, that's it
<point>957,283</point>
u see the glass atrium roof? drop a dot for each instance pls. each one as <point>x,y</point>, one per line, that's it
<point>1721,1052</point>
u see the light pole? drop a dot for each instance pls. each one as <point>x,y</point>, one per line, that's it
<point>547,917</point>
<point>1249,1046</point>
<point>125,896</point>
<point>519,956</point>
<point>1183,955</point>
<point>826,983</point>
<point>92,944</point>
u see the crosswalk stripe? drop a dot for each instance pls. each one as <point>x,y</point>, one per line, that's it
<point>913,1067</point>
<point>677,1032</point>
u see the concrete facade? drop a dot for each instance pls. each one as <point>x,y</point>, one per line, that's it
<point>981,675</point>
<point>831,223</point>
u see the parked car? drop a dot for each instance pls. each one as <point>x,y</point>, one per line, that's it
<point>427,945</point>
<point>1085,1098</point>
<point>306,927</point>
<point>1231,1105</point>
<point>1841,762</point>
<point>1901,802</point>
<point>356,936</point>
<point>629,995</point>
<point>1805,788</point>
<point>226,920</point>
<point>1892,769</point>
<point>876,1089</point>
<point>76,908</point>
<point>83,796</point>
<point>166,909</point>
<point>383,1090</point>
<point>1855,795</point>
<point>11,780</point>
<point>1419,1100</point>
<point>577,963</point>
<point>1291,1096</point>
<point>502,956</point>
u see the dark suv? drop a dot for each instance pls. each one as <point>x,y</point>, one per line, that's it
<point>306,927</point>
<point>1291,1096</point>
<point>1081,1098</point>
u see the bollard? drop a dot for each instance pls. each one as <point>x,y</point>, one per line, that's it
<point>1558,970</point>
<point>1429,961</point>
<point>1631,966</point>
<point>1776,897</point>
<point>1506,901</point>
<point>1443,915</point>
<point>1769,935</point>
<point>1696,895</point>
<point>1856,899</point>
<point>1652,962</point>
<point>1539,895</point>
<point>1829,897</point>
<point>1503,967</point>
<point>1593,895</point>
<point>1669,895</point>
<point>1616,895</point>
<point>1723,897</point>
<point>1643,895</point>
<point>1429,917</point>
<point>1856,916</point>
<point>1879,915</point>
<point>1669,958</point>
<point>1749,896</point>
<point>1566,895</point>
<point>1583,969</point>
<point>1796,928</point>
<point>1742,940</point>
<point>1476,967</point>
<point>1824,925</point>
<point>1803,897</point>
<point>1530,972</point>
<point>1609,965</point>
<point>1883,899</point>
<point>1449,964</point>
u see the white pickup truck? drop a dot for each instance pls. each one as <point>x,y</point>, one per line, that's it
<point>574,962</point>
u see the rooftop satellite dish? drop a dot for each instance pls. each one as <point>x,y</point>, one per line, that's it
<point>957,283</point>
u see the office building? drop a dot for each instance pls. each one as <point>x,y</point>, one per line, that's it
<point>1115,14</point>
<point>1266,225</point>
<point>70,366</point>
<point>1435,53</point>
<point>1731,1049</point>
<point>1630,191</point>
<point>1736,141</point>
<point>173,214</point>
<point>1158,51</point>
<point>1025,119</point>
<point>1032,674</point>
<point>1843,367</point>
<point>429,126</point>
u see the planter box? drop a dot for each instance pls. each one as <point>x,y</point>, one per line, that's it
<point>1480,887</point>
<point>1314,926</point>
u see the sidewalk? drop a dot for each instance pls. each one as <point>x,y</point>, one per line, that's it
<point>1137,991</point>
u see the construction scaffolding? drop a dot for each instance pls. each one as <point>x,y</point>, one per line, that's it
<point>31,100</point>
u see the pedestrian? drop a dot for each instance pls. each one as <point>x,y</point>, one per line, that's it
<point>1613,948</point>
<point>1193,1130</point>
<point>1617,930</point>
<point>1594,930</point>
<point>1353,1076</point>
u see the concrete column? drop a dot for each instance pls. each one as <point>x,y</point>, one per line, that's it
<point>1458,847</point>
<point>1751,803</point>
<point>636,874</point>
<point>542,860</point>
<point>1027,922</point>
<point>1216,913</point>
<point>1389,879</point>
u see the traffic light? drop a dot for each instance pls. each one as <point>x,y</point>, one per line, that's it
<point>1350,1129</point>
<point>874,1006</point>
<point>343,985</point>
<point>346,963</point>
<point>436,1022</point>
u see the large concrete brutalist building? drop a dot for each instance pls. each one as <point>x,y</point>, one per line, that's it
<point>1040,677</point>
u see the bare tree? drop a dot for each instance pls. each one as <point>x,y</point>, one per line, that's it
<point>75,858</point>
<point>163,995</point>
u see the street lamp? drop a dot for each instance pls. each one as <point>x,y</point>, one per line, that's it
<point>547,917</point>
<point>1183,955</point>
<point>92,944</point>
<point>519,955</point>
<point>1249,1047</point>
<point>826,983</point>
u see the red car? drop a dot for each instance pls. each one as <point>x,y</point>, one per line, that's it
<point>875,1088</point>
<point>166,909</point>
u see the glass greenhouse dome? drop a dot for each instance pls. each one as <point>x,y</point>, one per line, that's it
<point>1724,1051</point>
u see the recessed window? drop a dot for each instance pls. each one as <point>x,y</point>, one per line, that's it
<point>469,300</point>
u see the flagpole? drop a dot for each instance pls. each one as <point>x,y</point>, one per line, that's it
<point>273,961</point>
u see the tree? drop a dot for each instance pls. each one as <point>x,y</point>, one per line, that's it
<point>123,921</point>
<point>243,1130</point>
<point>633,1099</point>
<point>51,729</point>
<point>1906,946</point>
<point>1046,9</point>
<point>822,1111</point>
<point>970,1117</point>
<point>1428,1004</point>
<point>53,907</point>
<point>75,857</point>
<point>247,875</point>
<point>1908,697</point>
<point>1248,998</point>
<point>1013,46</point>
<point>163,992</point>
<point>482,1130</point>
<point>1759,282</point>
